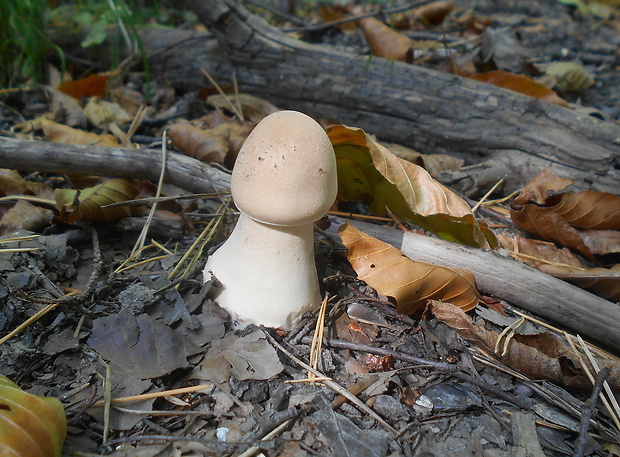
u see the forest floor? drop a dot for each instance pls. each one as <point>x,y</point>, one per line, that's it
<point>105,325</point>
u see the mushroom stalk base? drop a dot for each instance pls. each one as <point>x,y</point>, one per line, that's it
<point>268,273</point>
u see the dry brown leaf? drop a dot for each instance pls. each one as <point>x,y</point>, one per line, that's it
<point>205,145</point>
<point>410,283</point>
<point>351,330</point>
<point>540,356</point>
<point>589,209</point>
<point>538,189</point>
<point>556,217</point>
<point>101,112</point>
<point>519,83</point>
<point>549,225</point>
<point>605,282</point>
<point>329,13</point>
<point>11,183</point>
<point>433,13</point>
<point>24,216</point>
<point>128,99</point>
<point>569,76</point>
<point>91,86</point>
<point>65,108</point>
<point>563,264</point>
<point>60,133</point>
<point>385,41</point>
<point>89,204</point>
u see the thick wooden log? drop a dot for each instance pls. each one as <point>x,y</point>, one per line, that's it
<point>418,107</point>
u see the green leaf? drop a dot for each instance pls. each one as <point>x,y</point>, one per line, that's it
<point>97,34</point>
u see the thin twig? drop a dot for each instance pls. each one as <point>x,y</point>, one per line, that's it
<point>231,105</point>
<point>317,340</point>
<point>164,162</point>
<point>483,199</point>
<point>333,385</point>
<point>588,410</point>
<point>151,395</point>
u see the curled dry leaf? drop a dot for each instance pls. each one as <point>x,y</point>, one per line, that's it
<point>538,189</point>
<point>550,226</point>
<point>369,172</point>
<point>88,204</point>
<point>519,83</point>
<point>219,141</point>
<point>410,283</point>
<point>539,356</point>
<point>205,145</point>
<point>589,209</point>
<point>30,425</point>
<point>386,42</point>
<point>563,264</point>
<point>557,217</point>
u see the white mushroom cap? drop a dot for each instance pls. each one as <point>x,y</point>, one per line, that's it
<point>285,173</point>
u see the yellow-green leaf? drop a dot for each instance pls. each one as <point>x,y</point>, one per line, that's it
<point>89,203</point>
<point>30,425</point>
<point>570,76</point>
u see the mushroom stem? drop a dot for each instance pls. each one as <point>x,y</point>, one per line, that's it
<point>273,272</point>
<point>284,179</point>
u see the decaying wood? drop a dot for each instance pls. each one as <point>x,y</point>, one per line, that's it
<point>421,108</point>
<point>567,305</point>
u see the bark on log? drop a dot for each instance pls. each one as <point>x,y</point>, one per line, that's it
<point>567,305</point>
<point>422,108</point>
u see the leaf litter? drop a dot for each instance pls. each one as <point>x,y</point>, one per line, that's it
<point>445,383</point>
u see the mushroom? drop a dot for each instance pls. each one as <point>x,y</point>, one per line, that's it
<point>284,180</point>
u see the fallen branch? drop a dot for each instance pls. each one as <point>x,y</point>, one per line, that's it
<point>182,171</point>
<point>569,306</point>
